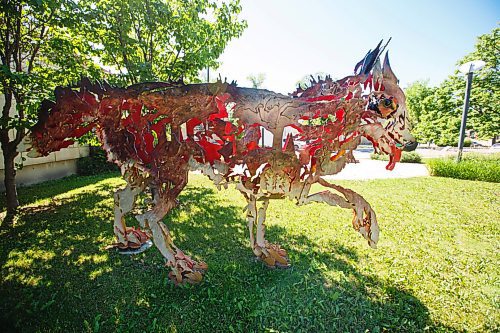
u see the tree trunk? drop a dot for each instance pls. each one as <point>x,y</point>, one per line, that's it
<point>10,181</point>
<point>9,154</point>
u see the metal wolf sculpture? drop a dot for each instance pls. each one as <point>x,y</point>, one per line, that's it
<point>158,132</point>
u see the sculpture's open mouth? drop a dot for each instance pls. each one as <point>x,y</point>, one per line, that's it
<point>410,146</point>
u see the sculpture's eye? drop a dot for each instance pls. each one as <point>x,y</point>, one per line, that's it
<point>387,103</point>
<point>373,106</point>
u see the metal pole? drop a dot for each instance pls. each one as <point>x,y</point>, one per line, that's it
<point>464,116</point>
<point>208,74</point>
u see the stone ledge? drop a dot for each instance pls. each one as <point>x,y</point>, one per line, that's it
<point>37,173</point>
<point>70,153</point>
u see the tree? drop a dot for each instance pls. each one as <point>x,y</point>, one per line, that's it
<point>436,113</point>
<point>433,112</point>
<point>484,115</point>
<point>415,94</point>
<point>149,40</point>
<point>256,79</point>
<point>305,81</point>
<point>37,52</point>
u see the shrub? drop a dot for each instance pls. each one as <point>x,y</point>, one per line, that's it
<point>411,157</point>
<point>95,163</point>
<point>454,143</point>
<point>472,167</point>
<point>406,157</point>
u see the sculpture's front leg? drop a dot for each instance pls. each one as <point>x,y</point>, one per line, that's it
<point>128,238</point>
<point>364,220</point>
<point>183,268</point>
<point>271,254</point>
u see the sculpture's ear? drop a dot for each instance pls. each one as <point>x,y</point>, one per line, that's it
<point>387,71</point>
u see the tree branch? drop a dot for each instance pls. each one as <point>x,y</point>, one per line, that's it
<point>35,50</point>
<point>17,40</point>
<point>20,131</point>
<point>123,51</point>
<point>173,64</point>
<point>151,33</point>
<point>6,45</point>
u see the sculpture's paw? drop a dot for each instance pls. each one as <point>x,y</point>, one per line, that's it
<point>185,269</point>
<point>132,239</point>
<point>365,222</point>
<point>273,256</point>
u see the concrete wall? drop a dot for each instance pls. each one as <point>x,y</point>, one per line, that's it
<point>35,170</point>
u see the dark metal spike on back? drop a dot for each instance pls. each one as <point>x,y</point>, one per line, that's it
<point>370,59</point>
<point>383,48</point>
<point>360,64</point>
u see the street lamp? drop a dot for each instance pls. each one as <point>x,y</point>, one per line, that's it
<point>468,68</point>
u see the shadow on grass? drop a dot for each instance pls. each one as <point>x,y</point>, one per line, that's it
<point>29,194</point>
<point>56,276</point>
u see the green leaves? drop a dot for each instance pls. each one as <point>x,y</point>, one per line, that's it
<point>436,112</point>
<point>161,40</point>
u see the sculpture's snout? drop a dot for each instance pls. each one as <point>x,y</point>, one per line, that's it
<point>410,146</point>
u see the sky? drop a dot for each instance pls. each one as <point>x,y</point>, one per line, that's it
<point>289,39</point>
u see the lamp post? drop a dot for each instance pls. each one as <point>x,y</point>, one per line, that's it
<point>468,69</point>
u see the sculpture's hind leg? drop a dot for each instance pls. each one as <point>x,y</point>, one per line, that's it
<point>272,254</point>
<point>364,220</point>
<point>128,237</point>
<point>184,269</point>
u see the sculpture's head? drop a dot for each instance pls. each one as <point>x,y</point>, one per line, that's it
<point>59,123</point>
<point>369,103</point>
<point>388,101</point>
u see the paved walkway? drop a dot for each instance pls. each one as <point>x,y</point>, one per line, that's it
<point>371,169</point>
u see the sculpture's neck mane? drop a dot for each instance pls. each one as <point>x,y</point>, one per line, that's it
<point>328,90</point>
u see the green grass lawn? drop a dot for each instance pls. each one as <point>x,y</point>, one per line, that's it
<point>436,268</point>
